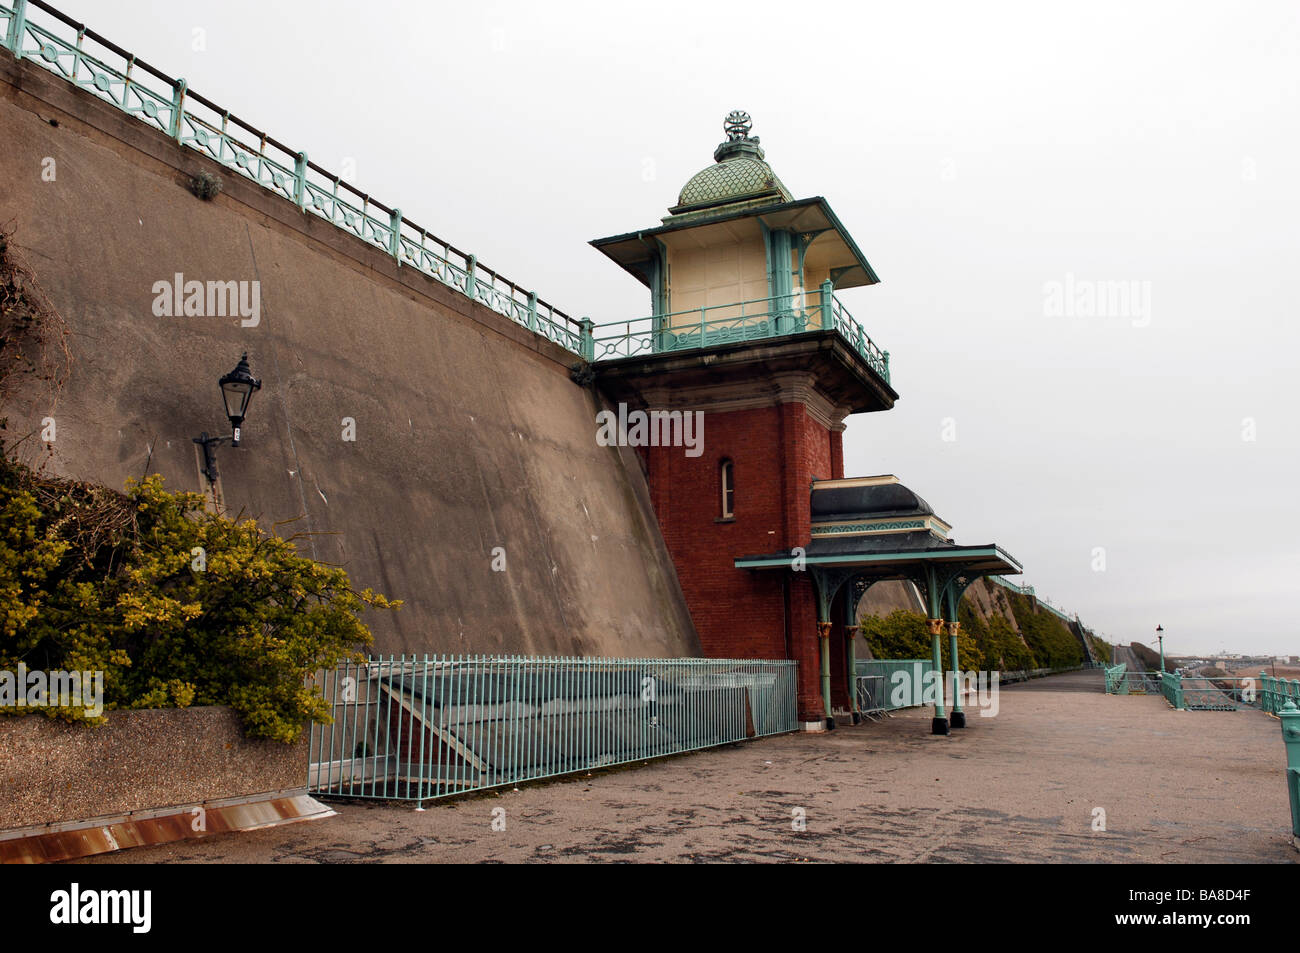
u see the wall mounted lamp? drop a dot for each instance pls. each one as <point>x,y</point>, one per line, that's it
<point>237,389</point>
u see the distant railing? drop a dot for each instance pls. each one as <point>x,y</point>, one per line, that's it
<point>879,690</point>
<point>105,70</point>
<point>1006,583</point>
<point>1042,601</point>
<point>409,728</point>
<point>1133,683</point>
<point>1219,693</point>
<point>738,322</point>
<point>1116,684</point>
<point>1199,692</point>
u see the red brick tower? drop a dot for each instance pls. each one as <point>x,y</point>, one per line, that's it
<point>745,328</point>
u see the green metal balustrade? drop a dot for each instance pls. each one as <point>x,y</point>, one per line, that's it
<point>1218,693</point>
<point>1274,693</point>
<point>1171,686</point>
<point>737,323</point>
<point>1042,602</point>
<point>1289,715</point>
<point>407,728</point>
<point>1006,583</point>
<point>1204,692</point>
<point>1120,681</point>
<point>35,31</point>
<point>1116,684</point>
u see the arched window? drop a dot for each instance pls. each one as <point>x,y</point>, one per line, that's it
<point>728,486</point>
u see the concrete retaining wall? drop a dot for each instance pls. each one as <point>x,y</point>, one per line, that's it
<point>469,433</point>
<point>52,772</point>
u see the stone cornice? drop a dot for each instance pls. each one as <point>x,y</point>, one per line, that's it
<point>724,396</point>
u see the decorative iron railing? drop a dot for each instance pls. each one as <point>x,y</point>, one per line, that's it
<point>1171,686</point>
<point>1219,693</point>
<point>35,31</point>
<point>1122,682</point>
<point>739,322</point>
<point>1276,692</point>
<point>1116,684</point>
<point>409,728</point>
<point>1043,601</point>
<point>1201,692</point>
<point>1290,718</point>
<point>1006,583</point>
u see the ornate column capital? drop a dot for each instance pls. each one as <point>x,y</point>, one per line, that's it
<point>824,629</point>
<point>953,627</point>
<point>936,626</point>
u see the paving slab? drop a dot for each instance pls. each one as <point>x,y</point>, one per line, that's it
<point>1022,786</point>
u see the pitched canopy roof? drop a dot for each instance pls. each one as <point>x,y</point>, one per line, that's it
<point>877,524</point>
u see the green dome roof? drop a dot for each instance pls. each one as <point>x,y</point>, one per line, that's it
<point>731,180</point>
<point>739,173</point>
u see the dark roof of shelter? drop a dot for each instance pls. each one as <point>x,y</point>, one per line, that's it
<point>884,499</point>
<point>888,556</point>
<point>919,541</point>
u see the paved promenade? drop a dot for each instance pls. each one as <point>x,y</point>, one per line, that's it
<point>1176,787</point>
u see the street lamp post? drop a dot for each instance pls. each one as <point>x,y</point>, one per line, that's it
<point>1160,637</point>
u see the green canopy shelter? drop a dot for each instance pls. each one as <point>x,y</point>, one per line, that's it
<point>869,529</point>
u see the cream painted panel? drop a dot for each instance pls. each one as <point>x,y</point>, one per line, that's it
<point>717,277</point>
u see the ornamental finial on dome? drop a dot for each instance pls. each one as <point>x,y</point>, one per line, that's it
<point>739,173</point>
<point>739,141</point>
<point>737,126</point>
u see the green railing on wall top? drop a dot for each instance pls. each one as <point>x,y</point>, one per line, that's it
<point>1027,590</point>
<point>35,31</point>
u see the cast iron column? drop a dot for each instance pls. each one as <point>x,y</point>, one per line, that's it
<point>939,724</point>
<point>958,716</point>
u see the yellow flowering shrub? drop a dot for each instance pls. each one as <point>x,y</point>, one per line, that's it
<point>176,605</point>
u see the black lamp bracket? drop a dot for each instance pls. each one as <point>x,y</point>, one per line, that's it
<point>209,445</point>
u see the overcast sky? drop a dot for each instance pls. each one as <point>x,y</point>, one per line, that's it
<point>996,162</point>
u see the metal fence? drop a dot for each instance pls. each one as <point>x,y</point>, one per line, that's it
<point>1115,679</point>
<point>1205,692</point>
<point>1120,681</point>
<point>415,729</point>
<point>1208,693</point>
<point>1228,692</point>
<point>880,690</point>
<point>1043,601</point>
<point>1276,692</point>
<point>1290,719</point>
